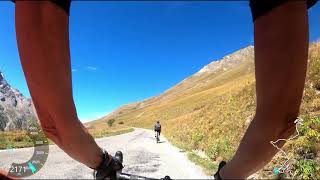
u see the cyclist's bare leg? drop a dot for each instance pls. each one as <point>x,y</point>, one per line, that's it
<point>43,42</point>
<point>281,50</point>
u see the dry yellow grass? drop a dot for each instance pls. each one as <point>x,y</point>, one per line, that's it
<point>104,129</point>
<point>16,139</point>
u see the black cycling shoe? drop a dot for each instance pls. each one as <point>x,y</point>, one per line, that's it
<point>217,175</point>
<point>108,167</point>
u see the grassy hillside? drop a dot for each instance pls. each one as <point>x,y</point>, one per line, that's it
<point>211,110</point>
<point>108,128</point>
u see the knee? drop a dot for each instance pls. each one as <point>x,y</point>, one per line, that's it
<point>279,123</point>
<point>51,133</point>
<point>288,127</point>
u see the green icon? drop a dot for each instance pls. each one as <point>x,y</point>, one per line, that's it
<point>32,168</point>
<point>276,171</point>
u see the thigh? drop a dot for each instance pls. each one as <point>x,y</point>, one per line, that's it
<point>281,51</point>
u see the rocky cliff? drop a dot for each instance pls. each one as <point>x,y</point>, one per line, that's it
<point>16,110</point>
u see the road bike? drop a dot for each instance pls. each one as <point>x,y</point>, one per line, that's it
<point>157,137</point>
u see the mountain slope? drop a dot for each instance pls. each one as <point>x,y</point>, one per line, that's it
<point>218,77</point>
<point>229,68</point>
<point>15,110</point>
<point>211,110</point>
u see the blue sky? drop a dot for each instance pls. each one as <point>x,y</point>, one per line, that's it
<point>123,52</point>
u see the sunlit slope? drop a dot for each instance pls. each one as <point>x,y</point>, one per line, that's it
<point>195,110</point>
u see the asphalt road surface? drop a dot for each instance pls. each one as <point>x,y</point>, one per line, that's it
<point>142,156</point>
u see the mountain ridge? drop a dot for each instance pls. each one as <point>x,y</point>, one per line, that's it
<point>16,111</point>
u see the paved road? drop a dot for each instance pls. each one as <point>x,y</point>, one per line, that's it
<point>142,156</point>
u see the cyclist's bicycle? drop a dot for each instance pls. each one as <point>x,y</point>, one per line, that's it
<point>126,176</point>
<point>157,137</point>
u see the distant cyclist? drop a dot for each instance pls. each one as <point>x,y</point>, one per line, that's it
<point>157,128</point>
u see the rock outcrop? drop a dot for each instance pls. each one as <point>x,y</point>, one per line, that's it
<point>16,111</point>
